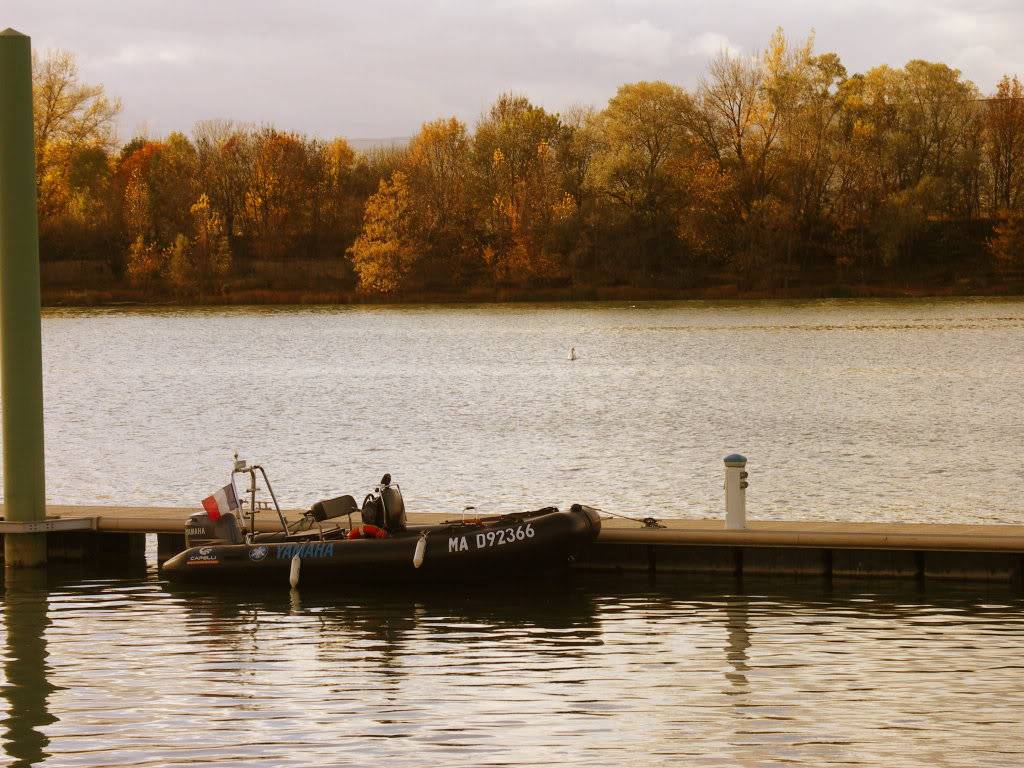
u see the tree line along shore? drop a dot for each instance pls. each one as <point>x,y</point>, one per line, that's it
<point>778,174</point>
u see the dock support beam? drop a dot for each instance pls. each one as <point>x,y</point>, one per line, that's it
<point>21,367</point>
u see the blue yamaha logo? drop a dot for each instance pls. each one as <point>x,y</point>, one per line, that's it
<point>258,553</point>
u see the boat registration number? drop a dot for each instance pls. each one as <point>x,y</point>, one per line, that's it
<point>494,538</point>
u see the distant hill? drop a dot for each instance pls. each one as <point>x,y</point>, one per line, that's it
<point>392,141</point>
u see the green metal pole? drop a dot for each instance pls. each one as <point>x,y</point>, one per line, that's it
<point>21,364</point>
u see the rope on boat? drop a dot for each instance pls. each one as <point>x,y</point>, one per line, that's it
<point>647,522</point>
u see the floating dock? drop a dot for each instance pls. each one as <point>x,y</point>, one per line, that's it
<point>762,548</point>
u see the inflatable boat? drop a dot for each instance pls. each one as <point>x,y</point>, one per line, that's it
<point>337,541</point>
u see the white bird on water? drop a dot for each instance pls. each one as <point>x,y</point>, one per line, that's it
<point>572,353</point>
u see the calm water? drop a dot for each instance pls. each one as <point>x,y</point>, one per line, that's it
<point>583,672</point>
<point>848,410</point>
<point>885,410</point>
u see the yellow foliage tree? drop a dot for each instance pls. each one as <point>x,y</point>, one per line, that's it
<point>69,116</point>
<point>384,253</point>
<point>137,219</point>
<point>178,267</point>
<point>211,254</point>
<point>202,262</point>
<point>143,264</point>
<point>518,147</point>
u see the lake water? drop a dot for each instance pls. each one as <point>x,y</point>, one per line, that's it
<point>847,410</point>
<point>124,670</point>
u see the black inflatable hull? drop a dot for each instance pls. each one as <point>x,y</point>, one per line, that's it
<point>523,544</point>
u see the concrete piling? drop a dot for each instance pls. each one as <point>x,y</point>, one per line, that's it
<point>21,367</point>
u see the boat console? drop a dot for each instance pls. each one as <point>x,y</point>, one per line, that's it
<point>384,508</point>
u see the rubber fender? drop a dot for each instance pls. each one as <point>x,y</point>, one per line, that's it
<point>420,552</point>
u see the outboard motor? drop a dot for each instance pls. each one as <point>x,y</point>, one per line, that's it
<point>394,508</point>
<point>201,531</point>
<point>387,509</point>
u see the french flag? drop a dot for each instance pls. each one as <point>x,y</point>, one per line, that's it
<point>220,503</point>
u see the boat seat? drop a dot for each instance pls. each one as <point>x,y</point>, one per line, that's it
<point>336,507</point>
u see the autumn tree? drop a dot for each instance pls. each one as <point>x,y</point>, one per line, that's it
<point>418,229</point>
<point>909,153</point>
<point>346,198</point>
<point>88,178</point>
<point>516,150</point>
<point>914,121</point>
<point>276,200</point>
<point>768,121</point>
<point>173,181</point>
<point>201,262</point>
<point>937,109</point>
<point>180,271</point>
<point>132,179</point>
<point>224,155</point>
<point>1007,244</point>
<point>385,251</point>
<point>144,264</point>
<point>70,117</point>
<point>639,170</point>
<point>210,250</point>
<point>581,146</point>
<point>439,172</point>
<point>802,90</point>
<point>1004,143</point>
<point>643,135</point>
<point>778,166</point>
<point>736,124</point>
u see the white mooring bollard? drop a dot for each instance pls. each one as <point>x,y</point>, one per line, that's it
<point>735,491</point>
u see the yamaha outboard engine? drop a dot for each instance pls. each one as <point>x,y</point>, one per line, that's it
<point>394,508</point>
<point>201,531</point>
<point>386,510</point>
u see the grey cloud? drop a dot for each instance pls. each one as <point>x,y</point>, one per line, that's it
<point>381,68</point>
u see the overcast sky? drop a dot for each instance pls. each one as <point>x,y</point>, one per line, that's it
<point>379,68</point>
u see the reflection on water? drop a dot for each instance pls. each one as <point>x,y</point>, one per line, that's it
<point>737,626</point>
<point>882,410</point>
<point>584,670</point>
<point>26,672</point>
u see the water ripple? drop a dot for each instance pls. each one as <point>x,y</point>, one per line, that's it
<point>591,672</point>
<point>877,410</point>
